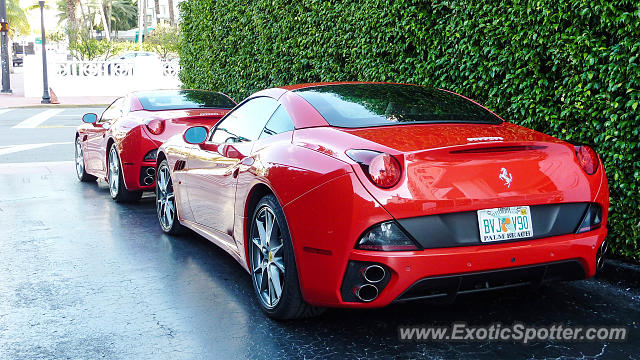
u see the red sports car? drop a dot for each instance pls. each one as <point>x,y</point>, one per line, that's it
<point>120,146</point>
<point>364,194</point>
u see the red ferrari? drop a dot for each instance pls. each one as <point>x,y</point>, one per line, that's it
<point>363,194</point>
<point>120,146</point>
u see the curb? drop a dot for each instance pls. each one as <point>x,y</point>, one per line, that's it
<point>624,274</point>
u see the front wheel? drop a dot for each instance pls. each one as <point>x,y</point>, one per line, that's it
<point>166,201</point>
<point>273,265</point>
<point>117,189</point>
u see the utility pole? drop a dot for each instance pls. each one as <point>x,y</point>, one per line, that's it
<point>4,48</point>
<point>46,99</point>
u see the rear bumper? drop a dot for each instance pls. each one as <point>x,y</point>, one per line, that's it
<point>325,224</point>
<point>134,175</point>
<point>446,288</point>
<point>445,273</point>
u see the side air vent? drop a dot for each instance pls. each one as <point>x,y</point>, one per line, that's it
<point>180,164</point>
<point>495,149</point>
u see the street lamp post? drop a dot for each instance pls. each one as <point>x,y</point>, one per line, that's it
<point>4,48</point>
<point>46,99</point>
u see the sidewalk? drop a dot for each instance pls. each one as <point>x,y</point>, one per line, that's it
<point>17,99</point>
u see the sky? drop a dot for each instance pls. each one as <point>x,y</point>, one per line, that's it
<point>50,16</point>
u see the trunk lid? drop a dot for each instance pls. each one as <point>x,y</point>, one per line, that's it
<point>464,167</point>
<point>177,121</point>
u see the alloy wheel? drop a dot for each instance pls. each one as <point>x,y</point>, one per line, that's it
<point>165,198</point>
<point>114,172</point>
<point>79,159</point>
<point>267,260</point>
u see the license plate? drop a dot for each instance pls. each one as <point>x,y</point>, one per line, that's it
<point>507,223</point>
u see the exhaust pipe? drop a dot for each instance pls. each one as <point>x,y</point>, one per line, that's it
<point>373,273</point>
<point>602,251</point>
<point>151,172</point>
<point>148,180</point>
<point>366,292</point>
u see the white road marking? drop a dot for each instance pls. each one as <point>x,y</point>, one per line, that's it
<point>36,164</point>
<point>23,147</point>
<point>2,111</point>
<point>38,119</point>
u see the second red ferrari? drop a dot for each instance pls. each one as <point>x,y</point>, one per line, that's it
<point>120,145</point>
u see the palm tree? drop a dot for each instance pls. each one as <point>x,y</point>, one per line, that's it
<point>156,5</point>
<point>17,18</point>
<point>123,14</point>
<point>70,11</point>
<point>172,20</point>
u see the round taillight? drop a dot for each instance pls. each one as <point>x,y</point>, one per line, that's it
<point>156,126</point>
<point>384,170</point>
<point>587,158</point>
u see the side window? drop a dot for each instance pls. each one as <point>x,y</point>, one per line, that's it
<point>280,122</point>
<point>113,111</point>
<point>246,122</point>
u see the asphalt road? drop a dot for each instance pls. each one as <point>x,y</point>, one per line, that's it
<point>84,277</point>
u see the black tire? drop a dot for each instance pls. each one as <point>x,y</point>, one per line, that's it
<point>165,199</point>
<point>81,171</point>
<point>290,304</point>
<point>119,193</point>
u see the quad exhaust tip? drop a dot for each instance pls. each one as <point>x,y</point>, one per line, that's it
<point>602,251</point>
<point>366,292</point>
<point>148,180</point>
<point>151,171</point>
<point>373,273</point>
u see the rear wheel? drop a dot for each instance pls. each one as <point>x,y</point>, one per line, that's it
<point>117,189</point>
<point>166,201</point>
<point>81,171</point>
<point>273,266</point>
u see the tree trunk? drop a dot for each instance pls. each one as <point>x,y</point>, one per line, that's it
<point>140,23</point>
<point>172,19</point>
<point>72,20</point>
<point>156,4</point>
<point>144,19</point>
<point>104,21</point>
<point>108,13</point>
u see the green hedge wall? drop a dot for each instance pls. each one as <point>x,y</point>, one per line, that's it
<point>568,68</point>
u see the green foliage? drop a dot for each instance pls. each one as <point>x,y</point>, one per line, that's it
<point>17,19</point>
<point>92,49</point>
<point>568,68</point>
<point>164,41</point>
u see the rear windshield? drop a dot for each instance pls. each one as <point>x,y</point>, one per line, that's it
<point>364,105</point>
<point>184,99</point>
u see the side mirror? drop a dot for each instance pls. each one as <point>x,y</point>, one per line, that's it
<point>90,118</point>
<point>195,135</point>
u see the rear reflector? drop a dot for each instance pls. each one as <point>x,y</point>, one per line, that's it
<point>591,220</point>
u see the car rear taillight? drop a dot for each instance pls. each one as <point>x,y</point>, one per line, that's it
<point>587,158</point>
<point>156,126</point>
<point>382,169</point>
